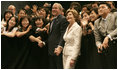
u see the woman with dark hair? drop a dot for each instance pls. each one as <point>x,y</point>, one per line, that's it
<point>93,61</point>
<point>25,27</point>
<point>8,48</point>
<point>11,27</point>
<point>21,13</point>
<point>88,41</point>
<point>38,54</point>
<point>93,16</point>
<point>38,28</point>
<point>7,15</point>
<point>24,32</point>
<point>85,49</point>
<point>44,13</point>
<point>23,43</point>
<point>84,22</point>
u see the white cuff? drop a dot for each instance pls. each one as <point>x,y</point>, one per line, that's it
<point>110,37</point>
<point>44,43</point>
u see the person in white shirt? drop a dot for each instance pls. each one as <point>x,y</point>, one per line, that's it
<point>7,15</point>
<point>10,28</point>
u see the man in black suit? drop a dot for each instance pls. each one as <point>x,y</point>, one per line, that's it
<point>56,32</point>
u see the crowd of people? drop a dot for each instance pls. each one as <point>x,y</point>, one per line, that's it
<point>50,37</point>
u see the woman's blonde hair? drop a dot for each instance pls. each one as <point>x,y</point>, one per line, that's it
<point>75,14</point>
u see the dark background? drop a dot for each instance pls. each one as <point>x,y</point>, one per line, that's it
<point>21,4</point>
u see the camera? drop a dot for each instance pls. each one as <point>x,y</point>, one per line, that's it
<point>103,50</point>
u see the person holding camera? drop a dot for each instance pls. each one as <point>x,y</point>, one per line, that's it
<point>106,36</point>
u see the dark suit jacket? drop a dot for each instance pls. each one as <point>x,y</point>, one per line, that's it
<point>56,34</point>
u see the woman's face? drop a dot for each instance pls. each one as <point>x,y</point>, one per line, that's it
<point>7,16</point>
<point>42,13</point>
<point>39,23</point>
<point>93,16</point>
<point>21,13</point>
<point>84,9</point>
<point>25,22</point>
<point>70,17</point>
<point>86,16</point>
<point>12,22</point>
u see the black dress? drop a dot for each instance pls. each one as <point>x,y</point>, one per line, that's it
<point>8,52</point>
<point>89,58</point>
<point>38,57</point>
<point>23,49</point>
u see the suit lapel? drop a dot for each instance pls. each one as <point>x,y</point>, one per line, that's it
<point>71,28</point>
<point>108,20</point>
<point>56,22</point>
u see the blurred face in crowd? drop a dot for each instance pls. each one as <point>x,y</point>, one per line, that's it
<point>12,22</point>
<point>7,16</point>
<point>27,7</point>
<point>86,16</point>
<point>21,13</point>
<point>56,10</point>
<point>95,5</point>
<point>70,17</point>
<point>42,13</point>
<point>47,5</point>
<point>12,8</point>
<point>25,22</point>
<point>93,16</point>
<point>111,4</point>
<point>84,9</point>
<point>39,23</point>
<point>103,10</point>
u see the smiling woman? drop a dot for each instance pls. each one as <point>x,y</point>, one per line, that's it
<point>10,28</point>
<point>72,40</point>
<point>7,36</point>
<point>25,27</point>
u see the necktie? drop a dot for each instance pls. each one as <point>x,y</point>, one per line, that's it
<point>51,25</point>
<point>105,25</point>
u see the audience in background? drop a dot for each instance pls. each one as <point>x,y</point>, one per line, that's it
<point>37,37</point>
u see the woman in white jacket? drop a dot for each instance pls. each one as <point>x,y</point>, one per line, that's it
<point>72,38</point>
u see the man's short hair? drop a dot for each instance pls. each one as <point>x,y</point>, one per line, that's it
<point>108,5</point>
<point>60,6</point>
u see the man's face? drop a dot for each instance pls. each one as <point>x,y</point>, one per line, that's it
<point>103,9</point>
<point>12,8</point>
<point>55,10</point>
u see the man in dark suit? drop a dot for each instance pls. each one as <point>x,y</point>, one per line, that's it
<point>56,32</point>
<point>106,36</point>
